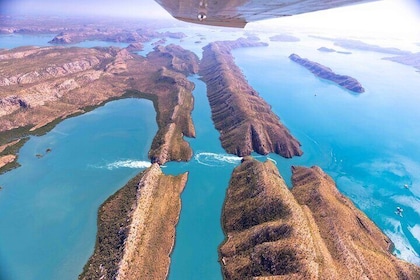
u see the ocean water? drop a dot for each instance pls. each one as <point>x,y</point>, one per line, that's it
<point>48,206</point>
<point>199,232</point>
<point>367,143</point>
<point>10,41</point>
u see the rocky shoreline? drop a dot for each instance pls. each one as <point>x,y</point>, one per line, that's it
<point>42,85</point>
<point>136,228</point>
<point>310,232</point>
<point>324,72</point>
<point>245,121</point>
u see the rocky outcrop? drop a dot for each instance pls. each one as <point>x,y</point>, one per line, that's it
<point>324,72</point>
<point>311,232</point>
<point>358,247</point>
<point>135,47</point>
<point>180,60</point>
<point>359,45</point>
<point>63,81</point>
<point>4,160</point>
<point>245,121</point>
<point>284,38</point>
<point>175,103</point>
<point>409,59</point>
<point>267,231</point>
<point>110,35</point>
<point>136,228</point>
<point>328,50</point>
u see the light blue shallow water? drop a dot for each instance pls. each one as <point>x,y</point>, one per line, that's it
<point>10,41</point>
<point>199,232</point>
<point>367,143</point>
<point>48,206</point>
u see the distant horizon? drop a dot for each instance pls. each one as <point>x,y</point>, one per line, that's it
<point>384,18</point>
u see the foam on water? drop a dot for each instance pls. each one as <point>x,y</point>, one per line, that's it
<point>135,164</point>
<point>213,159</point>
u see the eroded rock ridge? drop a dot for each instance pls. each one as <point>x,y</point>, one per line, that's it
<point>40,85</point>
<point>311,232</point>
<point>245,121</point>
<point>324,72</point>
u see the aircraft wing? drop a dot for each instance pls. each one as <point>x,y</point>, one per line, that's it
<point>237,13</point>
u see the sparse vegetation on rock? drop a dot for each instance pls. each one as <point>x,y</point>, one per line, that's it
<point>245,121</point>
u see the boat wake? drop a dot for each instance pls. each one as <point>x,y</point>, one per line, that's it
<point>134,164</point>
<point>213,159</point>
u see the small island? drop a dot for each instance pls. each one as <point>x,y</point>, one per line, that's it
<point>329,50</point>
<point>310,232</point>
<point>245,121</point>
<point>324,72</point>
<point>284,38</point>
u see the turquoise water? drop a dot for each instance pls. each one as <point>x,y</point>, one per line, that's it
<point>368,143</point>
<point>199,232</point>
<point>10,41</point>
<point>48,206</point>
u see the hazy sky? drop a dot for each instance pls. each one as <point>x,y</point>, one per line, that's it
<point>126,8</point>
<point>395,16</point>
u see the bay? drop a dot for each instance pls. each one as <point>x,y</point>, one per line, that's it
<point>367,143</point>
<point>48,206</point>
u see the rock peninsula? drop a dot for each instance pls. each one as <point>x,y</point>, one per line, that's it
<point>40,86</point>
<point>324,72</point>
<point>136,228</point>
<point>310,232</point>
<point>245,121</point>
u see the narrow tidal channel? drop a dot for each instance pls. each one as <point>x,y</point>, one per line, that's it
<point>199,231</point>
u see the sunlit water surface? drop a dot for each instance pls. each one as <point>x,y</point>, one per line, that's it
<point>368,143</point>
<point>48,206</point>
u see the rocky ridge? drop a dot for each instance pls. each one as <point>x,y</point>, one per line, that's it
<point>310,232</point>
<point>324,72</point>
<point>245,121</point>
<point>408,59</point>
<point>54,82</point>
<point>137,228</point>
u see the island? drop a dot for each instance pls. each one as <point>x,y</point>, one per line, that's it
<point>324,72</point>
<point>408,59</point>
<point>328,50</point>
<point>284,38</point>
<point>245,121</point>
<point>362,46</point>
<point>310,232</point>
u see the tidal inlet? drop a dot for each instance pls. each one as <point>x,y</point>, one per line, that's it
<point>145,147</point>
